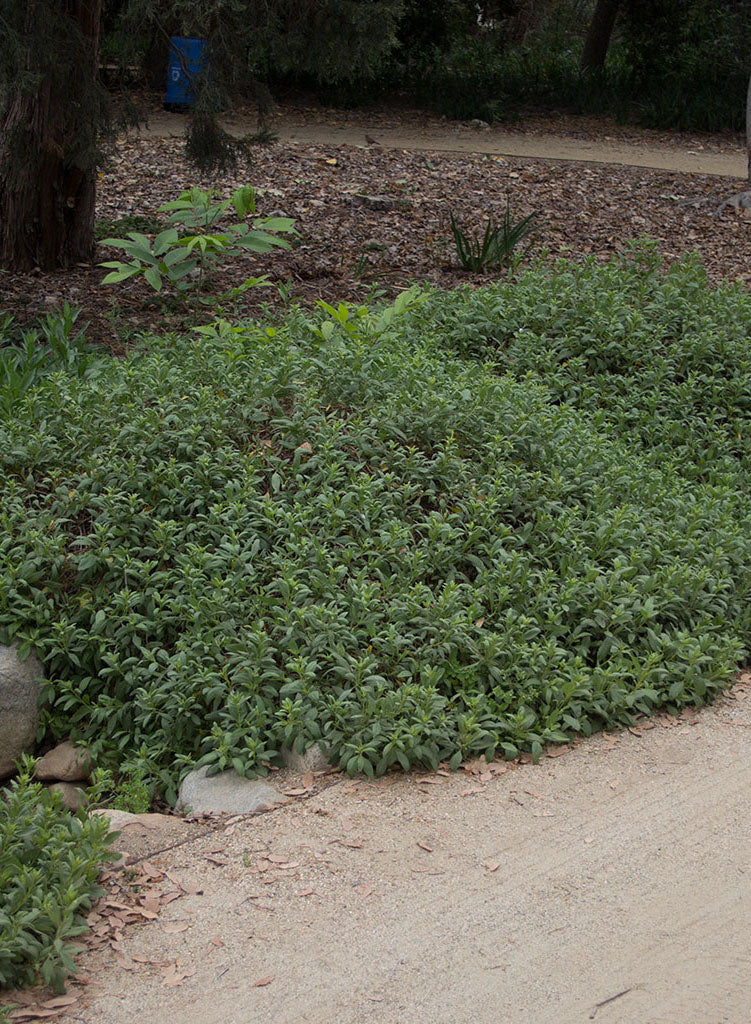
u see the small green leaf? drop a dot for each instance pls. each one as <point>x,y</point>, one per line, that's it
<point>154,278</point>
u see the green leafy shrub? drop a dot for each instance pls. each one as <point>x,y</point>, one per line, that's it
<point>26,356</point>
<point>183,259</point>
<point>50,860</point>
<point>130,791</point>
<point>660,357</point>
<point>472,525</point>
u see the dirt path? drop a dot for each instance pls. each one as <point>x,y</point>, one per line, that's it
<point>635,148</point>
<point>611,883</point>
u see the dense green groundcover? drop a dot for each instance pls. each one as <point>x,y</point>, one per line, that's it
<point>518,515</point>
<point>49,864</point>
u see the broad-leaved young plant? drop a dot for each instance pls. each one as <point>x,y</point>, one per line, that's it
<point>182,258</point>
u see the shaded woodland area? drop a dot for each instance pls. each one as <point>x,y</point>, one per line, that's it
<point>683,65</point>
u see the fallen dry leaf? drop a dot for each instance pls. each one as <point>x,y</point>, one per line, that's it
<point>32,1014</point>
<point>151,903</point>
<point>425,847</point>
<point>59,1002</point>
<point>263,982</point>
<point>364,889</point>
<point>116,906</point>
<point>307,780</point>
<point>491,865</point>
<point>175,978</point>
<point>147,869</point>
<point>172,928</point>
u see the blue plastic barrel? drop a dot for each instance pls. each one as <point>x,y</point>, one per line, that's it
<point>187,59</point>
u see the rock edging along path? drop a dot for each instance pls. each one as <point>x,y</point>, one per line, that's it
<point>296,129</point>
<point>610,882</point>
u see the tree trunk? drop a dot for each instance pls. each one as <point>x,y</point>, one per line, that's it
<point>748,130</point>
<point>598,35</point>
<point>47,177</point>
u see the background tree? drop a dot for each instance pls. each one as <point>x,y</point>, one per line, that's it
<point>52,110</point>
<point>599,32</point>
<point>748,130</point>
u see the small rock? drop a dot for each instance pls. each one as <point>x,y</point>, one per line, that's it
<point>64,762</point>
<point>124,819</point>
<point>73,797</point>
<point>225,793</point>
<point>19,706</point>
<point>373,202</point>
<point>313,760</point>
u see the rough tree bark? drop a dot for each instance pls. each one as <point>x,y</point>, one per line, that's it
<point>47,184</point>
<point>598,35</point>
<point>748,129</point>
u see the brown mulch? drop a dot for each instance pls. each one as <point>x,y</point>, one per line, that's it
<point>351,246</point>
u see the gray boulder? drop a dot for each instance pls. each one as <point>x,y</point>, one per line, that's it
<point>73,797</point>
<point>20,687</point>
<point>65,762</point>
<point>224,793</point>
<point>313,760</point>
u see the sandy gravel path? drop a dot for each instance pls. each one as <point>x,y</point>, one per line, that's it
<point>611,883</point>
<point>635,148</point>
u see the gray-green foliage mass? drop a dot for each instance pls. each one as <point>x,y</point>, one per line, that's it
<point>518,515</point>
<point>50,861</point>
